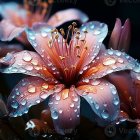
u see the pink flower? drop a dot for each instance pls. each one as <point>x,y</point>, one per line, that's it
<point>66,71</point>
<point>17,17</point>
<point>121,35</point>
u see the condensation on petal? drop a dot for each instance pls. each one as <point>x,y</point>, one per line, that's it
<point>100,95</point>
<point>65,112</point>
<point>30,91</point>
<point>109,62</point>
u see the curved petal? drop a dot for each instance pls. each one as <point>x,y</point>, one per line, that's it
<point>67,15</point>
<point>90,42</point>
<point>30,91</point>
<point>14,12</point>
<point>109,62</point>
<point>65,110</point>
<point>25,62</point>
<point>102,97</point>
<point>9,31</point>
<point>4,49</point>
<point>48,45</point>
<point>120,37</point>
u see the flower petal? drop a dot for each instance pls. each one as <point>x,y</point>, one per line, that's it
<point>90,42</point>
<point>65,110</point>
<point>10,32</point>
<point>26,62</point>
<point>120,37</point>
<point>4,49</point>
<point>67,15</point>
<point>102,97</point>
<point>13,12</point>
<point>109,62</point>
<point>30,91</point>
<point>49,48</point>
<point>115,35</point>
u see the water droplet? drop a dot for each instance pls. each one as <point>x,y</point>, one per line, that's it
<point>14,69</point>
<point>72,105</point>
<point>110,52</point>
<point>44,33</point>
<point>60,111</point>
<point>105,114</point>
<point>31,89</point>
<point>43,95</point>
<point>57,97</point>
<point>45,86</point>
<point>34,62</point>
<point>27,57</point>
<point>84,28</point>
<point>32,37</point>
<point>137,69</point>
<point>115,101</point>
<point>37,101</point>
<point>54,115</point>
<point>92,26</point>
<point>96,105</point>
<point>75,99</point>
<point>23,102</point>
<point>118,53</point>
<point>109,61</point>
<point>114,91</point>
<point>65,94</point>
<point>29,67</point>
<point>96,82</point>
<point>120,60</point>
<point>14,104</point>
<point>96,32</point>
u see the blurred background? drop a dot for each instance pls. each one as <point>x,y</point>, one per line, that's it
<point>105,11</point>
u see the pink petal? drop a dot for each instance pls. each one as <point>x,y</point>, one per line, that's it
<point>40,36</point>
<point>13,12</point>
<point>109,62</point>
<point>65,110</point>
<point>9,31</point>
<point>4,49</point>
<point>115,36</point>
<point>67,15</point>
<point>30,91</point>
<point>125,37</point>
<point>90,43</point>
<point>102,97</point>
<point>26,62</point>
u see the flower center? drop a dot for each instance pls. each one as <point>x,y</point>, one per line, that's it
<point>68,58</point>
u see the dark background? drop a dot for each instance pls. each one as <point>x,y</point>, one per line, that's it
<point>105,11</point>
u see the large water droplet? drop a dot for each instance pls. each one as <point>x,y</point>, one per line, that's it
<point>34,62</point>
<point>23,102</point>
<point>105,114</point>
<point>75,99</point>
<point>137,69</point>
<point>43,95</point>
<point>110,52</point>
<point>44,33</point>
<point>96,32</point>
<point>57,97</point>
<point>114,91</point>
<point>120,60</point>
<point>96,105</point>
<point>65,94</point>
<point>29,67</point>
<point>14,104</point>
<point>45,86</point>
<point>115,101</point>
<point>72,105</point>
<point>54,115</point>
<point>96,82</point>
<point>31,89</point>
<point>109,61</point>
<point>27,57</point>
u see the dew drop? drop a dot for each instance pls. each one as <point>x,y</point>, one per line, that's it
<point>44,33</point>
<point>65,94</point>
<point>105,114</point>
<point>75,99</point>
<point>45,86</point>
<point>31,89</point>
<point>43,95</point>
<point>96,82</point>
<point>37,101</point>
<point>120,60</point>
<point>14,104</point>
<point>29,67</point>
<point>27,57</point>
<point>96,105</point>
<point>109,61</point>
<point>23,102</point>
<point>60,111</point>
<point>34,62</point>
<point>57,97</point>
<point>96,32</point>
<point>72,105</point>
<point>115,101</point>
<point>54,115</point>
<point>114,91</point>
<point>110,52</point>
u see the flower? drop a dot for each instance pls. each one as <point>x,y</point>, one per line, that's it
<point>120,37</point>
<point>67,71</point>
<point>17,17</point>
